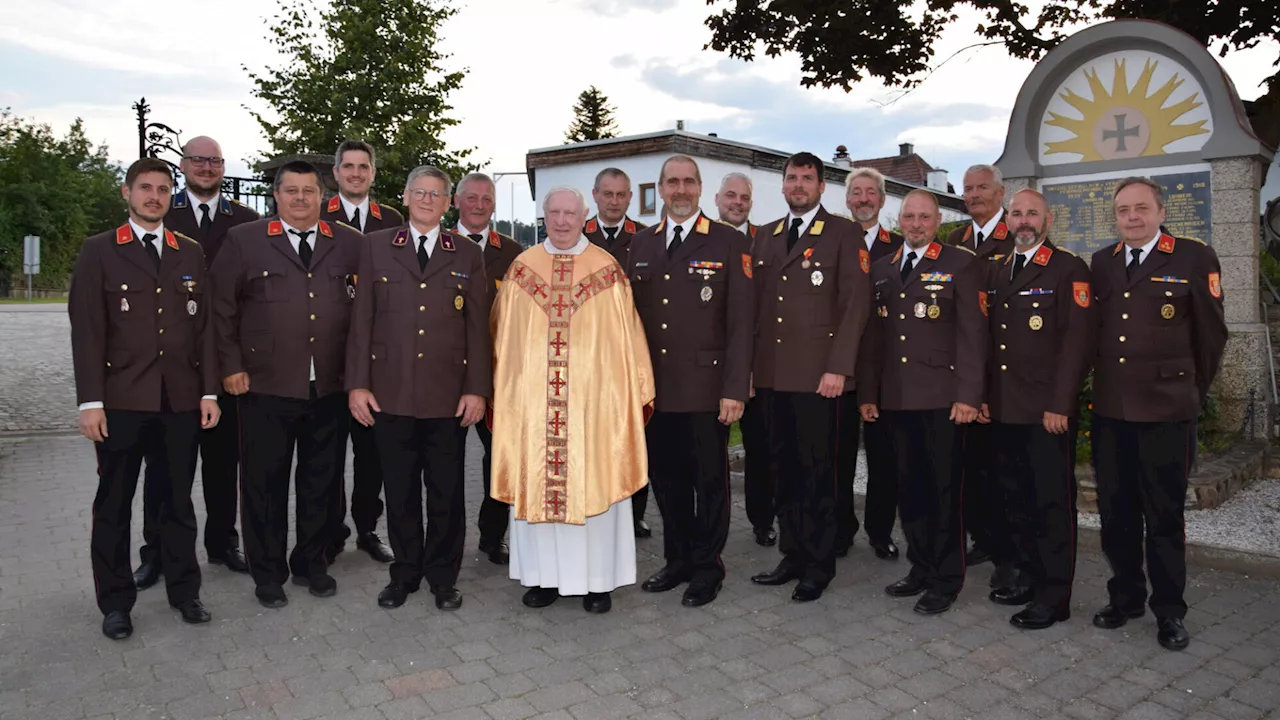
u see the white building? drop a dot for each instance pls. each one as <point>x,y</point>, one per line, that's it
<point>641,157</point>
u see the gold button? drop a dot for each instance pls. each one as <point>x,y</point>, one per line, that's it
<point>666,277</point>
<point>904,359</point>
<point>157,291</point>
<point>664,326</point>
<point>313,317</point>
<point>124,287</point>
<point>311,294</point>
<point>1121,338</point>
<point>663,351</point>
<point>264,273</point>
<point>308,275</point>
<point>422,332</point>
<point>715,362</point>
<point>902,295</point>
<point>665,301</point>
<point>1004,367</point>
<point>161,353</point>
<point>901,316</point>
<point>419,356</point>
<point>1126,294</point>
<point>1003,326</point>
<point>1121,361</point>
<point>1168,294</point>
<point>464,361</point>
<point>1124,316</point>
<point>1034,305</point>
<point>779,319</point>
<point>784,278</point>
<point>311,340</point>
<point>375,357</point>
<point>902,337</point>
<point>779,298</point>
<point>1002,347</point>
<point>161,331</point>
<point>779,341</point>
<point>159,310</point>
<point>108,364</point>
<point>1006,306</point>
<point>422,308</point>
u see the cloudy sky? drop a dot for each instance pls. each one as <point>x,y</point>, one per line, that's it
<point>527,60</point>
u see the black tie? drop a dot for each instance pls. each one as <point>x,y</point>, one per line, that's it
<point>906,266</point>
<point>423,257</point>
<point>355,220</point>
<point>1135,256</point>
<point>304,247</point>
<point>1019,262</point>
<point>205,220</point>
<point>675,242</point>
<point>152,251</point>
<point>793,235</point>
<point>980,238</point>
<point>477,237</point>
<point>610,234</point>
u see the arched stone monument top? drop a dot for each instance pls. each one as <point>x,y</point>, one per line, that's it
<point>1125,95</point>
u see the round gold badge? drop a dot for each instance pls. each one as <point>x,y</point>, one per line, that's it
<point>1166,311</point>
<point>457,303</point>
<point>934,312</point>
<point>1035,322</point>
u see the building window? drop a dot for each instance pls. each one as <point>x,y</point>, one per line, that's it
<point>648,199</point>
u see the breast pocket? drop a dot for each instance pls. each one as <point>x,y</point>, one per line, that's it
<point>708,288</point>
<point>642,287</point>
<point>387,290</point>
<point>1170,303</point>
<point>451,299</point>
<point>342,283</point>
<point>265,285</point>
<point>1035,311</point>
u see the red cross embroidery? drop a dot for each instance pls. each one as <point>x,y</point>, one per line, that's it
<point>556,465</point>
<point>558,383</point>
<point>559,344</point>
<point>560,305</point>
<point>563,269</point>
<point>556,424</point>
<point>557,505</point>
<point>518,273</point>
<point>539,288</point>
<point>583,289</point>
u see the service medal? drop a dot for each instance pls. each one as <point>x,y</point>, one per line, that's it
<point>804,264</point>
<point>351,291</point>
<point>457,302</point>
<point>919,310</point>
<point>191,307</point>
<point>816,278</point>
<point>705,294</point>
<point>934,312</point>
<point>1166,311</point>
<point>1035,322</point>
<point>124,304</point>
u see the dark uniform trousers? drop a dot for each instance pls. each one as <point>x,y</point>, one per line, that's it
<point>1036,470</point>
<point>271,428</point>
<point>168,443</point>
<point>493,513</point>
<point>881,509</point>
<point>366,487</point>
<point>418,453</point>
<point>689,462</point>
<point>985,517</point>
<point>804,432</point>
<point>759,476</point>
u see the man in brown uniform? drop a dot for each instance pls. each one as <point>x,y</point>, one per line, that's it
<point>474,199</point>
<point>204,214</point>
<point>814,298</point>
<point>418,372</point>
<point>612,230</point>
<point>733,203</point>
<point>927,358</point>
<point>354,168</point>
<point>692,282</point>
<point>985,517</point>
<point>283,295</point>
<point>1160,340</point>
<point>136,403</point>
<point>1041,345</point>
<point>864,197</point>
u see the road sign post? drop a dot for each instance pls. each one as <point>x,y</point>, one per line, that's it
<point>30,259</point>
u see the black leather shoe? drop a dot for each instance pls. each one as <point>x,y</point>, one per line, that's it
<point>699,594</point>
<point>1013,595</point>
<point>664,580</point>
<point>1006,575</point>
<point>1038,617</point>
<point>598,603</point>
<point>372,544</point>
<point>976,556</point>
<point>447,598</point>
<point>271,596</point>
<point>885,550</point>
<point>642,531</point>
<point>193,611</point>
<point>1112,617</point>
<point>1172,634</point>
<point>232,558</point>
<point>908,586</point>
<point>780,575</point>
<point>394,595</point>
<point>540,597</point>
<point>934,602</point>
<point>497,551</point>
<point>806,591</point>
<point>147,574</point>
<point>117,625</point>
<point>318,584</point>
<point>766,536</point>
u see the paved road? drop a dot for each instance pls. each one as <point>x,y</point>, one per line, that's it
<point>37,385</point>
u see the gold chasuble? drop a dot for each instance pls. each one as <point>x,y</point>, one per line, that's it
<point>572,387</point>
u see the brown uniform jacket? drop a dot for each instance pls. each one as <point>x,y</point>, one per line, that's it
<point>274,316</point>
<point>621,244</point>
<point>225,214</point>
<point>1042,335</point>
<point>1160,334</point>
<point>499,252</point>
<point>134,329</point>
<point>380,217</point>
<point>922,358</point>
<point>420,339</point>
<point>991,252</point>
<point>696,307</point>
<point>812,304</point>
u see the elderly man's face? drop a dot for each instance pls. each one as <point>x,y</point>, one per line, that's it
<point>427,199</point>
<point>564,219</point>
<point>613,197</point>
<point>919,221</point>
<point>1139,214</point>
<point>982,194</point>
<point>475,203</point>
<point>864,201</point>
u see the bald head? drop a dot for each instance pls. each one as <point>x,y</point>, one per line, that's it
<point>203,166</point>
<point>919,218</point>
<point>1030,219</point>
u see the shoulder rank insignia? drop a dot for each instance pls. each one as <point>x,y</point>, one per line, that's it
<point>334,204</point>
<point>816,227</point>
<point>325,230</point>
<point>1080,293</point>
<point>704,226</point>
<point>1117,250</point>
<point>592,226</point>
<point>179,199</point>
<point>446,241</point>
<point>968,233</point>
<point>629,226</point>
<point>982,302</point>
<point>275,227</point>
<point>934,251</point>
<point>402,238</point>
<point>1215,284</point>
<point>124,234</point>
<point>374,210</point>
<point>1042,255</point>
<point>864,260</point>
<point>781,223</point>
<point>1166,243</point>
<point>746,265</point>
<point>752,230</point>
<point>884,235</point>
<point>897,256</point>
<point>1001,232</point>
<point>169,240</point>
<point>657,229</point>
<point>224,205</point>
<point>495,239</point>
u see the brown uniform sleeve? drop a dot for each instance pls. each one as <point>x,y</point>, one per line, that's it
<point>1209,328</point>
<point>972,332</point>
<point>88,313</point>
<point>855,301</point>
<point>740,336</point>
<point>479,377</point>
<point>227,277</point>
<point>360,334</point>
<point>210,380</point>
<point>1079,336</point>
<point>870,359</point>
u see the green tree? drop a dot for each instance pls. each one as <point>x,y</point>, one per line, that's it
<point>367,69</point>
<point>62,189</point>
<point>841,42</point>
<point>592,118</point>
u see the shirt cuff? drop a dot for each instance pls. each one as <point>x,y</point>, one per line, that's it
<point>90,406</point>
<point>209,397</point>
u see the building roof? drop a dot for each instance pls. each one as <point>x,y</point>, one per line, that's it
<point>672,142</point>
<point>907,166</point>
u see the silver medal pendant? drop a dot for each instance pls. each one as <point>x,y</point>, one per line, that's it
<point>124,304</point>
<point>816,278</point>
<point>919,310</point>
<point>191,307</point>
<point>705,294</point>
<point>351,292</point>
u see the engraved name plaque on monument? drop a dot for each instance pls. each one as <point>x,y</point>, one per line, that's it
<point>1083,220</point>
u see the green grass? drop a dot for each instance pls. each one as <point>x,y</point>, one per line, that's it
<point>33,301</point>
<point>735,435</point>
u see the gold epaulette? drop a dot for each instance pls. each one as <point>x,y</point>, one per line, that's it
<point>1066,251</point>
<point>185,237</point>
<point>349,227</point>
<point>961,247</point>
<point>239,203</point>
<point>1199,241</point>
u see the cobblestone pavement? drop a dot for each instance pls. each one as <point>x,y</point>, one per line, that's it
<point>855,654</point>
<point>37,385</point>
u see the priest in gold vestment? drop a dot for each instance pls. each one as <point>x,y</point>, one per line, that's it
<point>573,387</point>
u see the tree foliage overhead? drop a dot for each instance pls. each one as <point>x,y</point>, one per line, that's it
<point>841,42</point>
<point>592,118</point>
<point>366,69</point>
<point>62,189</point>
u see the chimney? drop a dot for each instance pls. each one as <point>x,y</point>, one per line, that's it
<point>842,157</point>
<point>679,124</point>
<point>906,149</point>
<point>936,179</point>
<point>713,135</point>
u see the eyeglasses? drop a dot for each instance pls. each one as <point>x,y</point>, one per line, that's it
<point>203,160</point>
<point>419,194</point>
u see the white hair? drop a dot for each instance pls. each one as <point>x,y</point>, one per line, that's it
<point>582,200</point>
<point>475,177</point>
<point>737,176</point>
<point>995,172</point>
<point>875,175</point>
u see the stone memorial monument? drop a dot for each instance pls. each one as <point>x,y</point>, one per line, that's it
<point>1136,97</point>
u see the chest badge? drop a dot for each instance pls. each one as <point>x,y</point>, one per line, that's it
<point>191,307</point>
<point>918,310</point>
<point>1167,311</point>
<point>458,302</point>
<point>124,304</point>
<point>1035,322</point>
<point>705,293</point>
<point>816,278</point>
<point>935,312</point>
<point>189,284</point>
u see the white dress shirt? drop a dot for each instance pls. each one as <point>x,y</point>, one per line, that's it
<point>685,226</point>
<point>872,234</point>
<point>350,208</point>
<point>464,232</point>
<point>1145,250</point>
<point>433,235</point>
<point>989,228</point>
<point>194,202</point>
<point>806,220</point>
